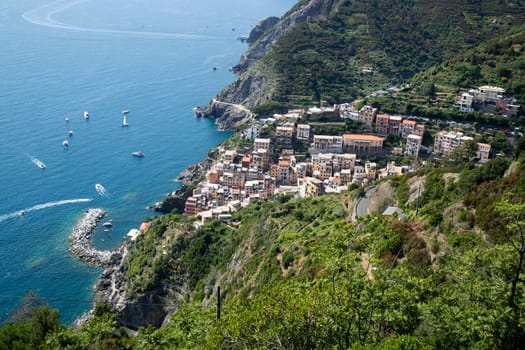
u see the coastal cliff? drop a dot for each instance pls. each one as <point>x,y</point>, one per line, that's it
<point>189,179</point>
<point>255,83</point>
<point>230,109</point>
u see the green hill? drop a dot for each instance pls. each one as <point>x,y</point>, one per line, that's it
<point>299,273</point>
<point>361,46</point>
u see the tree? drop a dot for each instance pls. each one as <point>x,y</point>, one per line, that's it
<point>514,219</point>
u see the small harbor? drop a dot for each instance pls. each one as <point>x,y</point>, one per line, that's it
<point>81,243</point>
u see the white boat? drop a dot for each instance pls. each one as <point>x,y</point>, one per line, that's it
<point>66,119</point>
<point>101,190</point>
<point>65,144</point>
<point>86,115</point>
<point>108,223</point>
<point>38,163</point>
<point>124,121</point>
<point>70,133</point>
<point>137,154</point>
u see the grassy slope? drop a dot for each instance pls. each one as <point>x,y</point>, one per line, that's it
<point>290,267</point>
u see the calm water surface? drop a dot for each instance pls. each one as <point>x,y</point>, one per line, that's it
<point>155,58</point>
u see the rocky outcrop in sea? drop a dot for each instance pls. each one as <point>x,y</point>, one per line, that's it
<point>81,244</point>
<point>189,179</point>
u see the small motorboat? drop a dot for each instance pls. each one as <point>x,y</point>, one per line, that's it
<point>22,213</point>
<point>86,115</point>
<point>138,154</point>
<point>70,132</point>
<point>108,223</point>
<point>65,144</point>
<point>38,163</point>
<point>66,119</point>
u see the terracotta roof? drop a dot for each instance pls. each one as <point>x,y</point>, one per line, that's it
<point>409,122</point>
<point>362,137</point>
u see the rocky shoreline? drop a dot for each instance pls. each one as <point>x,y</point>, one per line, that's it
<point>229,114</point>
<point>81,245</point>
<point>190,178</point>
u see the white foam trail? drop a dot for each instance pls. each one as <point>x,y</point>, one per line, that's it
<point>38,162</point>
<point>43,16</point>
<point>44,206</point>
<point>101,190</point>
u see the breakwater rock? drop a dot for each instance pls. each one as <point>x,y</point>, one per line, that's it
<point>81,245</point>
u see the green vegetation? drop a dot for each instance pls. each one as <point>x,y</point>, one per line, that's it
<point>297,273</point>
<point>430,49</point>
<point>301,273</point>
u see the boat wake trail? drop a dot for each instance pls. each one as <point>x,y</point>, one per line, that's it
<point>43,16</point>
<point>44,206</point>
<point>101,190</point>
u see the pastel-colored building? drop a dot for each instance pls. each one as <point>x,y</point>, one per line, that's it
<point>394,125</point>
<point>303,132</point>
<point>322,165</point>
<point>408,127</point>
<point>362,144</point>
<point>228,156</point>
<point>327,144</point>
<point>483,152</point>
<point>264,144</point>
<point>367,115</point>
<point>419,130</point>
<point>448,141</point>
<point>310,187</point>
<point>413,145</point>
<point>284,134</point>
<point>382,123</point>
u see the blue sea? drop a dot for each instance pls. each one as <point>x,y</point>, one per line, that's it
<point>58,59</point>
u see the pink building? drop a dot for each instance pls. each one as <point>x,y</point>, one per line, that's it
<point>394,125</point>
<point>382,123</point>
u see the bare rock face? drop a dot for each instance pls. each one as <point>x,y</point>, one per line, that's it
<point>261,28</point>
<point>313,9</point>
<point>254,84</point>
<point>189,178</point>
<point>227,116</point>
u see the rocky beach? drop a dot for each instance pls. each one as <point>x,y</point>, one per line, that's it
<point>81,244</point>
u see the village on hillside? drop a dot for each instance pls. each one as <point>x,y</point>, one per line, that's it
<point>284,154</point>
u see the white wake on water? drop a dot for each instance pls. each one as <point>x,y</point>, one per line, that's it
<point>43,206</point>
<point>43,16</point>
<point>101,190</point>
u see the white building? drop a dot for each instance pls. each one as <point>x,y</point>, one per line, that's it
<point>448,141</point>
<point>303,132</point>
<point>327,144</point>
<point>252,132</point>
<point>413,145</point>
<point>483,152</point>
<point>464,102</point>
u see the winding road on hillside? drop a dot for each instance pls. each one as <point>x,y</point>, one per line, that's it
<point>361,207</point>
